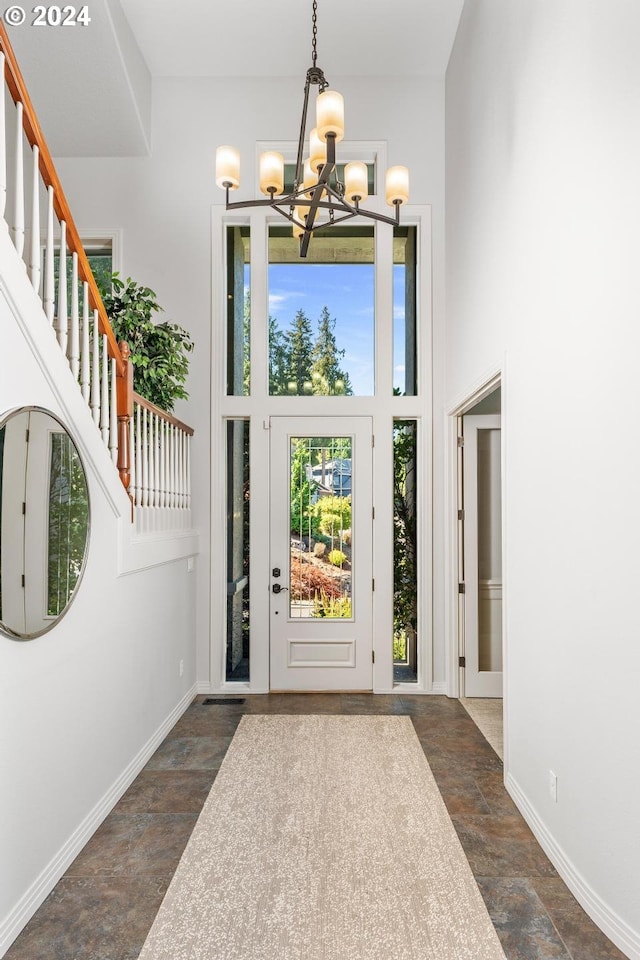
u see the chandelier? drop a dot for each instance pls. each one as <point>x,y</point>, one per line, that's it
<point>317,191</point>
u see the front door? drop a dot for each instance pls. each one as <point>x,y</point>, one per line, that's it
<point>321,522</point>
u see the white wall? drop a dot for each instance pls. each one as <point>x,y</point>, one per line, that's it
<point>79,705</point>
<point>164,205</point>
<point>543,206</point>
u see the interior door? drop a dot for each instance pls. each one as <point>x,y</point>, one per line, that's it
<point>482,557</point>
<point>321,545</point>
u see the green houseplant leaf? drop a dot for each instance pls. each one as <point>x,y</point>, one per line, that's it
<point>159,351</point>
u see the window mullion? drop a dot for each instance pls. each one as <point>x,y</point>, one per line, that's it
<point>259,305</point>
<point>384,310</point>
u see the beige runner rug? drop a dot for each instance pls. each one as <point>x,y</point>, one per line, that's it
<point>323,838</point>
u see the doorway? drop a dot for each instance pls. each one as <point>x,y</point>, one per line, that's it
<point>480,549</point>
<point>321,548</point>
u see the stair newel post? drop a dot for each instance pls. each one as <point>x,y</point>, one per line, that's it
<point>124,394</point>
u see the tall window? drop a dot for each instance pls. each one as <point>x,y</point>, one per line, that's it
<point>100,256</point>
<point>238,493</point>
<point>321,314</point>
<point>238,312</point>
<point>404,311</point>
<point>68,519</point>
<point>405,551</point>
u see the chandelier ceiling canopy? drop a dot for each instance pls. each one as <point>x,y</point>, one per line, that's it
<point>317,192</point>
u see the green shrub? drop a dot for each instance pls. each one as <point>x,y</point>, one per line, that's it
<point>337,558</point>
<point>334,514</point>
<point>330,523</point>
<point>399,648</point>
<point>338,608</point>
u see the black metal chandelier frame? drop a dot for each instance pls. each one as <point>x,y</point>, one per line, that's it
<point>313,197</point>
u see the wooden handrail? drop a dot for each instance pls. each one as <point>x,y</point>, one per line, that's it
<point>118,352</point>
<point>159,412</point>
<point>33,132</point>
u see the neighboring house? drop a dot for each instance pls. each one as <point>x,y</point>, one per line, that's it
<point>333,477</point>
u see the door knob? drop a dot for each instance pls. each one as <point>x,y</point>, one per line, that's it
<point>277,588</point>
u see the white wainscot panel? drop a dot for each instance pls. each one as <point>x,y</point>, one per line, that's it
<point>317,653</point>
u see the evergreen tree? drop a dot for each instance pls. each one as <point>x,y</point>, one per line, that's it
<point>303,518</point>
<point>327,376</point>
<point>299,344</point>
<point>278,360</point>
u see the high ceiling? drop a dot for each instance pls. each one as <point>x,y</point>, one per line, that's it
<point>259,38</point>
<point>92,86</point>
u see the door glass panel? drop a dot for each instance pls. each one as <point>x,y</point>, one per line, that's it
<point>404,311</point>
<point>320,527</point>
<point>405,552</point>
<point>321,313</point>
<point>238,624</point>
<point>68,523</point>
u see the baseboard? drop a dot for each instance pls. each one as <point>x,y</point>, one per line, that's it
<point>439,687</point>
<point>610,923</point>
<point>17,919</point>
<point>203,686</point>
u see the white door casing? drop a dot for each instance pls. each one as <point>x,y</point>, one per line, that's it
<point>321,653</point>
<point>25,520</point>
<point>482,557</point>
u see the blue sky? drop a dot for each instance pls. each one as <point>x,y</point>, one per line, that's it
<point>348,291</point>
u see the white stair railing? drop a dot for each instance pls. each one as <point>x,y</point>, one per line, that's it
<point>149,447</point>
<point>160,457</point>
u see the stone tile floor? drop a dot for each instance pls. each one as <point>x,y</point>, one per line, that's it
<point>104,905</point>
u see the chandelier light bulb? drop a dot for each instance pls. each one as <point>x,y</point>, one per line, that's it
<point>310,178</point>
<point>397,185</point>
<point>356,181</point>
<point>330,115</point>
<point>317,151</point>
<point>227,167</point>
<point>299,213</point>
<point>271,173</point>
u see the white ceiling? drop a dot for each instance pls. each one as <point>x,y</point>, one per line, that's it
<point>211,38</point>
<point>92,86</point>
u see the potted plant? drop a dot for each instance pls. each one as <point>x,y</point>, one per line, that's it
<point>159,351</point>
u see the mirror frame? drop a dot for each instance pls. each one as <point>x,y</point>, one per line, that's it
<point>6,631</point>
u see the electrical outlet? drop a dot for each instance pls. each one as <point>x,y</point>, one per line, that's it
<point>553,786</point>
<point>181,667</point>
<point>190,563</point>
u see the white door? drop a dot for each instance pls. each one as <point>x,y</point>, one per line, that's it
<point>14,470</point>
<point>482,557</point>
<point>321,553</point>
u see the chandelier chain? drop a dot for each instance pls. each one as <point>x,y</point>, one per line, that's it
<point>315,32</point>
<point>312,205</point>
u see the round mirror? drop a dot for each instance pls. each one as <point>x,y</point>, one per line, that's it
<point>44,522</point>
